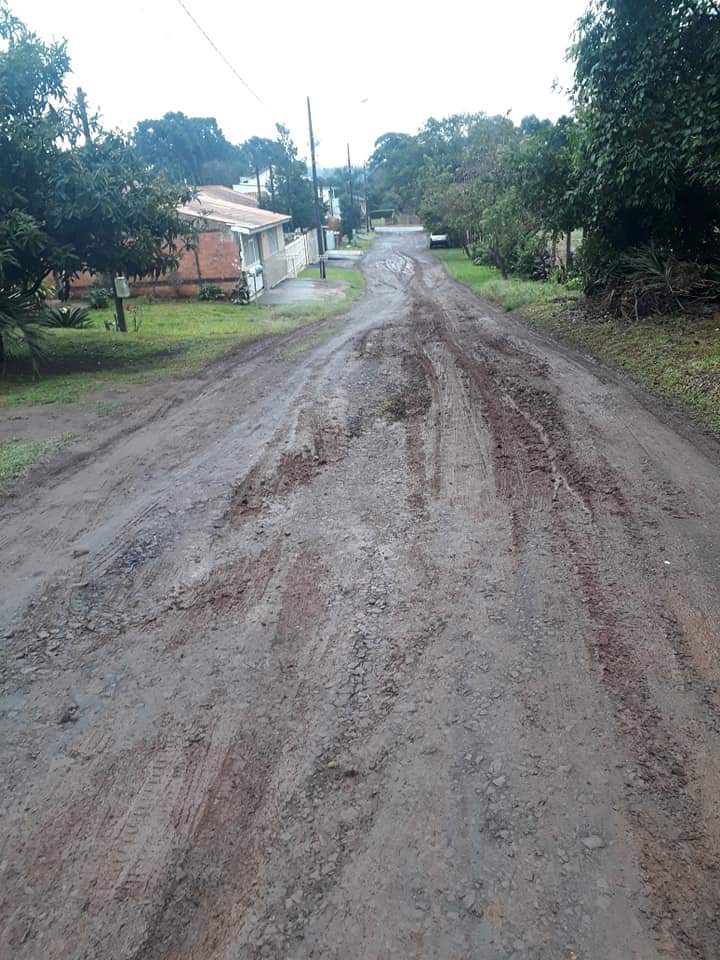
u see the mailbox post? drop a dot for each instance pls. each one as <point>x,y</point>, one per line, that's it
<point>121,290</point>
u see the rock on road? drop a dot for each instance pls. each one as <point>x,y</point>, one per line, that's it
<point>399,639</point>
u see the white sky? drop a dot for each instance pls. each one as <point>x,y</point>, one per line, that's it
<point>409,60</point>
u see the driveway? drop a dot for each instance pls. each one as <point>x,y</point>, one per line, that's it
<point>399,639</point>
<point>303,291</point>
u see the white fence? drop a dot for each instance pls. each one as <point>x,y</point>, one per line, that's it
<point>301,252</point>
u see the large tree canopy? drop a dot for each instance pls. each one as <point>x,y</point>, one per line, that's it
<point>394,169</point>
<point>189,149</point>
<point>647,87</point>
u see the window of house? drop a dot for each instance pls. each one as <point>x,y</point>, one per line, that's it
<point>251,251</point>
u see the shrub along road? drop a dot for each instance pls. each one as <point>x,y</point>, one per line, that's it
<point>399,640</point>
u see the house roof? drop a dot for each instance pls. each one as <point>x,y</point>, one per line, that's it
<point>223,205</point>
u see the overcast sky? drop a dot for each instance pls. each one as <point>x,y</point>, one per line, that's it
<point>408,59</point>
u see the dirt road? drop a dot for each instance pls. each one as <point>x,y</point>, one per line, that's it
<point>399,640</point>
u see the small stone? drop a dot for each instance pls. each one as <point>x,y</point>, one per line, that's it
<point>70,714</point>
<point>593,842</point>
<point>500,781</point>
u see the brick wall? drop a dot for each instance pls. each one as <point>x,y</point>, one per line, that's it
<point>218,258</point>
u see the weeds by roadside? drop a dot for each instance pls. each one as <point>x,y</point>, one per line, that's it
<point>18,456</point>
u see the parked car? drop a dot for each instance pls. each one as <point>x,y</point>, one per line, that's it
<point>439,240</point>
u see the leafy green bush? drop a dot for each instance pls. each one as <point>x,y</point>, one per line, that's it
<point>76,318</point>
<point>528,257</point>
<point>211,291</point>
<point>532,258</point>
<point>99,298</point>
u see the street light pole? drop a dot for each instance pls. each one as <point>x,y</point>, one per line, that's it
<point>316,204</point>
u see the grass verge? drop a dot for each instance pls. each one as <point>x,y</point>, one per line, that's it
<point>349,275</point>
<point>18,456</point>
<point>173,339</point>
<point>677,357</point>
<point>510,292</point>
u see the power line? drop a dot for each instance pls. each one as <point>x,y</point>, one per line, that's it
<point>221,54</point>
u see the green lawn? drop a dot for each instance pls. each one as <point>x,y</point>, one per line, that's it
<point>174,339</point>
<point>349,275</point>
<point>510,292</point>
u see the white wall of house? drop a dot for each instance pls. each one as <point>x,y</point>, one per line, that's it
<point>273,241</point>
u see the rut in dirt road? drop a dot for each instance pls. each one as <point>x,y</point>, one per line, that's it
<point>405,646</point>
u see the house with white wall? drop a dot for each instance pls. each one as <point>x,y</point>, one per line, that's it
<point>258,234</point>
<point>247,186</point>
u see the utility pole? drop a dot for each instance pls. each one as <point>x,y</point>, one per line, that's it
<point>367,205</point>
<point>352,198</point>
<point>82,110</point>
<point>316,204</point>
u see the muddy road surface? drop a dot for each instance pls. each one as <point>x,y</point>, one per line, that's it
<point>398,640</point>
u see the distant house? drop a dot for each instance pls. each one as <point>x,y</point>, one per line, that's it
<point>235,236</point>
<point>248,185</point>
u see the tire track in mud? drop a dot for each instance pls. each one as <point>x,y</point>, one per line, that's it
<point>534,464</point>
<point>662,802</point>
<point>219,896</point>
<point>268,481</point>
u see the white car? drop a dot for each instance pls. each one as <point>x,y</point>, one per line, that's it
<point>439,240</point>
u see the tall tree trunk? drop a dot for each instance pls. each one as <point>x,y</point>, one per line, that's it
<point>568,249</point>
<point>257,181</point>
<point>272,186</point>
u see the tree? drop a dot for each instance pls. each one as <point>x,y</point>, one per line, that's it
<point>67,205</point>
<point>292,186</point>
<point>393,172</point>
<point>116,215</point>
<point>647,91</point>
<point>351,215</point>
<point>260,154</point>
<point>507,227</point>
<point>188,149</point>
<point>548,175</point>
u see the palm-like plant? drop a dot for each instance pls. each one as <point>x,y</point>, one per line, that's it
<point>21,328</point>
<point>75,318</point>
